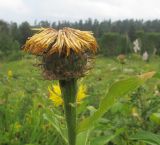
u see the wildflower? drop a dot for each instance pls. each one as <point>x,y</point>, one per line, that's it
<point>81,94</point>
<point>56,96</point>
<point>121,58</point>
<point>145,56</point>
<point>135,114</point>
<point>136,46</point>
<point>40,105</point>
<point>10,74</point>
<point>66,56</point>
<point>16,126</point>
<point>66,53</point>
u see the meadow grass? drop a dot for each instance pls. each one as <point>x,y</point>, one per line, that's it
<point>24,96</point>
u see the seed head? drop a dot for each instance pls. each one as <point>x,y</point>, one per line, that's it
<point>66,53</point>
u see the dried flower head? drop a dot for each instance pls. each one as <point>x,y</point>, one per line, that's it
<point>49,41</point>
<point>65,53</point>
<point>121,58</point>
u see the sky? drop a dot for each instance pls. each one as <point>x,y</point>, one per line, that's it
<point>74,10</point>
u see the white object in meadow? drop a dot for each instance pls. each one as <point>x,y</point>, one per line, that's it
<point>145,56</point>
<point>136,46</point>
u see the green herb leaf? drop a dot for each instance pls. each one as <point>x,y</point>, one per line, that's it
<point>117,90</point>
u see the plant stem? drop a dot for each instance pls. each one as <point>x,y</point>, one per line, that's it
<point>69,91</point>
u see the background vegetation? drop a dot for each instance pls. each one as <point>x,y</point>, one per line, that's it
<point>113,37</point>
<point>28,117</point>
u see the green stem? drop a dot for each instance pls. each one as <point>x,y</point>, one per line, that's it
<point>69,91</point>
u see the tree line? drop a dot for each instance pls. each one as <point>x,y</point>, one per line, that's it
<point>114,37</point>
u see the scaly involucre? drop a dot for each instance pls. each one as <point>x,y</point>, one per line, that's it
<point>49,41</point>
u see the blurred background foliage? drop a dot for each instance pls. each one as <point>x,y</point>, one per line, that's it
<point>114,37</point>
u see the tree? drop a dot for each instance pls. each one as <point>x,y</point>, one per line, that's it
<point>44,24</point>
<point>14,31</point>
<point>132,33</point>
<point>4,27</point>
<point>25,32</point>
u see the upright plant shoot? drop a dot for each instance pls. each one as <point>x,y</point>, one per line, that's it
<point>66,56</point>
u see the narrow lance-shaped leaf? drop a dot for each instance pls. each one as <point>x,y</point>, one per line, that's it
<point>116,91</point>
<point>147,137</point>
<point>103,140</point>
<point>82,138</point>
<point>54,123</point>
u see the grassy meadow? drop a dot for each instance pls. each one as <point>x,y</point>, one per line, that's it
<point>29,117</point>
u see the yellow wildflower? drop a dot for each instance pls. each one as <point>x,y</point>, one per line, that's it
<point>81,94</point>
<point>55,94</point>
<point>135,114</point>
<point>10,74</point>
<point>17,126</point>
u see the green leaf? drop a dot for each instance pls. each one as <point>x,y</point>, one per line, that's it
<point>102,140</point>
<point>147,137</point>
<point>155,117</point>
<point>117,90</point>
<point>157,75</point>
<point>54,122</point>
<point>82,138</point>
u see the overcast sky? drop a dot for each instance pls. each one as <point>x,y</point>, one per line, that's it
<point>54,10</point>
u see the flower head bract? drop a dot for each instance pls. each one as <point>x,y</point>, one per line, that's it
<point>49,41</point>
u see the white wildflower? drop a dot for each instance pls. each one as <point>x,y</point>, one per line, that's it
<point>145,56</point>
<point>136,46</point>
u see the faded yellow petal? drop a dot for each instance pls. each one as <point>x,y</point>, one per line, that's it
<point>61,41</point>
